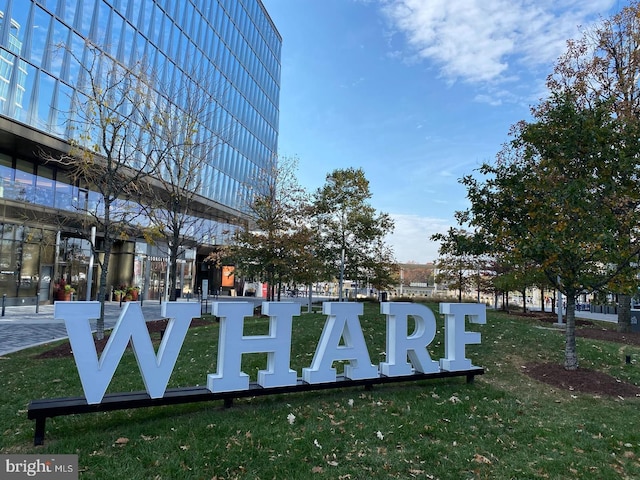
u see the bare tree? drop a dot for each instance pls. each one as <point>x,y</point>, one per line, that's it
<point>104,131</point>
<point>184,143</point>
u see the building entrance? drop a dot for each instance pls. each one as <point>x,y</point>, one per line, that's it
<point>73,264</point>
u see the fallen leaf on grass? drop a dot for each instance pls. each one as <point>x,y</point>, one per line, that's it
<point>481,459</point>
<point>122,441</point>
<point>317,470</point>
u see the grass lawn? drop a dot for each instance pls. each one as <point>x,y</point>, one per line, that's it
<point>504,426</point>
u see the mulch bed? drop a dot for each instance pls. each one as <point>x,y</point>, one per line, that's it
<point>583,380</point>
<point>155,327</point>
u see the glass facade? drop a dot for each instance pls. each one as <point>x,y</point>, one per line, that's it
<point>231,43</point>
<point>228,49</point>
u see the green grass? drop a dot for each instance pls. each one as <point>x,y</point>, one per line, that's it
<point>503,426</point>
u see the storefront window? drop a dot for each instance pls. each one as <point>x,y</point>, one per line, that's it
<point>74,255</point>
<point>29,271</point>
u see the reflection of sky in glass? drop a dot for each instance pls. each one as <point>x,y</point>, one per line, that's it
<point>39,38</point>
<point>174,43</point>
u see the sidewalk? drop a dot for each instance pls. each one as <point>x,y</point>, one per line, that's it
<point>601,317</point>
<point>21,327</point>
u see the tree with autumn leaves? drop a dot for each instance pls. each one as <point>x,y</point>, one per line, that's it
<point>297,238</point>
<point>564,194</point>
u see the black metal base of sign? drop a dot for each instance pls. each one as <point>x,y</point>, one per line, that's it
<point>40,410</point>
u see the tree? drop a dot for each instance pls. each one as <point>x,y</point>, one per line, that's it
<point>603,66</point>
<point>461,265</point>
<point>181,143</point>
<point>350,231</point>
<point>106,154</point>
<point>275,246</point>
<point>538,202</point>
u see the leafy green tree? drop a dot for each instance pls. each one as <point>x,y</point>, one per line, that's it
<point>350,231</point>
<point>275,246</point>
<point>550,200</point>
<point>603,67</point>
<point>457,263</point>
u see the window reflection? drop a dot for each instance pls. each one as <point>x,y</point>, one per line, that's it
<point>25,181</point>
<point>44,187</point>
<point>232,43</point>
<point>63,193</point>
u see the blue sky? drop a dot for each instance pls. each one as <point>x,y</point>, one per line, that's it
<point>418,93</point>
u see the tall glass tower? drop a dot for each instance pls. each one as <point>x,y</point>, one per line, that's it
<point>231,46</point>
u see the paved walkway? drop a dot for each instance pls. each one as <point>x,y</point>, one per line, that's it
<point>22,327</point>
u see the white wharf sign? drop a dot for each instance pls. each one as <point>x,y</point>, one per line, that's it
<point>341,340</point>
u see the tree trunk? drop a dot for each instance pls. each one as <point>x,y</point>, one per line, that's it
<point>570,351</point>
<point>104,270</point>
<point>624,313</point>
<point>542,299</point>
<point>173,273</point>
<point>524,300</point>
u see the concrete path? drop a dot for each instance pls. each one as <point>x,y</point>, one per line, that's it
<point>22,327</point>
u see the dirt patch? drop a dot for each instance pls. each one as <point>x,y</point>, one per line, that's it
<point>584,380</point>
<point>609,336</point>
<point>581,380</point>
<point>155,327</point>
<point>548,317</point>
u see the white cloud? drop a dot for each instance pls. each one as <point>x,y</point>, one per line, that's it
<point>411,239</point>
<point>485,41</point>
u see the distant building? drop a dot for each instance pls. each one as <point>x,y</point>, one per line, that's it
<point>234,42</point>
<point>416,280</point>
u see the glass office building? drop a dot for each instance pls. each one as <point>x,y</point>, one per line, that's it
<point>233,44</point>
